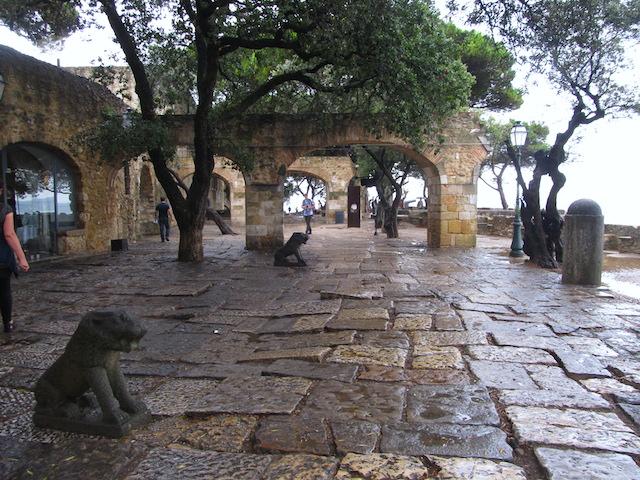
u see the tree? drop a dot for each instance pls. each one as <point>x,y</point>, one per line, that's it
<point>304,185</point>
<point>498,160</point>
<point>383,57</point>
<point>491,65</point>
<point>388,170</point>
<point>579,45</point>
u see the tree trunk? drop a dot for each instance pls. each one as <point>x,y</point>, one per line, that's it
<point>500,188</point>
<point>535,240</point>
<point>224,227</point>
<point>391,222</point>
<point>190,248</point>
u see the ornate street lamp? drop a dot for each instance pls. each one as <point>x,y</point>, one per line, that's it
<point>518,138</point>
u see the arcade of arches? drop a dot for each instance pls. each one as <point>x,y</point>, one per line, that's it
<point>71,200</point>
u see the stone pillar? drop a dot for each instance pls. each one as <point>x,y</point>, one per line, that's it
<point>583,239</point>
<point>452,214</point>
<point>238,211</point>
<point>336,202</point>
<point>264,227</point>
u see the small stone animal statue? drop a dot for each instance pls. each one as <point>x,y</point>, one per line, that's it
<point>91,360</point>
<point>292,247</point>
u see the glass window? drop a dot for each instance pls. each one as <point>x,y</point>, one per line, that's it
<point>41,190</point>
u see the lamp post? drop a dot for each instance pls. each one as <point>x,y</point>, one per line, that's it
<point>518,138</point>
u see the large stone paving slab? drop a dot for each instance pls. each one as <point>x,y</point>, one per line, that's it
<point>502,375</point>
<point>551,398</point>
<point>468,405</point>
<point>413,322</point>
<point>292,433</point>
<point>633,411</point>
<point>382,466</point>
<point>360,319</point>
<point>324,371</point>
<point>580,363</point>
<point>253,395</point>
<point>186,463</point>
<point>511,354</point>
<point>429,376</point>
<point>306,340</point>
<point>476,469</point>
<point>74,459</point>
<point>314,354</point>
<point>372,402</point>
<point>355,436</point>
<point>389,339</point>
<point>449,338</point>
<point>427,357</point>
<point>176,397</point>
<point>301,467</point>
<point>445,439</point>
<point>369,355</point>
<point>573,428</point>
<point>222,433</point>
<point>576,465</point>
<point>552,378</point>
<point>610,386</point>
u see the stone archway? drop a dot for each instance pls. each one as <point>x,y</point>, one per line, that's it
<point>335,171</point>
<point>43,188</point>
<point>236,184</point>
<point>277,140</point>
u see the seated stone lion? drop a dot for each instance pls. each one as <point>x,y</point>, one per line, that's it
<point>91,361</point>
<point>292,247</point>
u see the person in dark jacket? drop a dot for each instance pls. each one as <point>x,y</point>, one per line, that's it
<point>162,217</point>
<point>12,259</point>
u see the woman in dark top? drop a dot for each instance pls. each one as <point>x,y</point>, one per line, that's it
<point>12,259</point>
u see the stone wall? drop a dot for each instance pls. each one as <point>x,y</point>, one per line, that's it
<point>624,238</point>
<point>499,223</point>
<point>495,222</point>
<point>45,105</point>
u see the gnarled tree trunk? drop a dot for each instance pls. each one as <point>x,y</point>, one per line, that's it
<point>224,227</point>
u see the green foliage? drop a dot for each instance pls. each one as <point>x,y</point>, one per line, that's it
<point>308,185</point>
<point>118,141</point>
<point>579,45</point>
<point>497,134</point>
<point>43,21</point>
<point>491,65</point>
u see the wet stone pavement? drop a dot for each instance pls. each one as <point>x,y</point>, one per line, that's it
<point>381,360</point>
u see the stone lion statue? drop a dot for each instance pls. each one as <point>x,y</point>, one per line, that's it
<point>91,361</point>
<point>292,247</point>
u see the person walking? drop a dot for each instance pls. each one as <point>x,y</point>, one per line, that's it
<point>162,217</point>
<point>307,212</point>
<point>12,259</point>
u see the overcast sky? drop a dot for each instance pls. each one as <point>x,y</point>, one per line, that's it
<point>605,165</point>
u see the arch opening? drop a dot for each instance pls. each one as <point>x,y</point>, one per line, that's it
<point>42,187</point>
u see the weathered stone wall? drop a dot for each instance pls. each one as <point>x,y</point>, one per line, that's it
<point>495,222</point>
<point>499,223</point>
<point>624,238</point>
<point>48,106</point>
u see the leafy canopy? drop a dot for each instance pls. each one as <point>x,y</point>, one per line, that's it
<point>393,58</point>
<point>579,45</point>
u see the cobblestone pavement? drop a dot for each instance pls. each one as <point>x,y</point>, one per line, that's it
<point>381,360</point>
